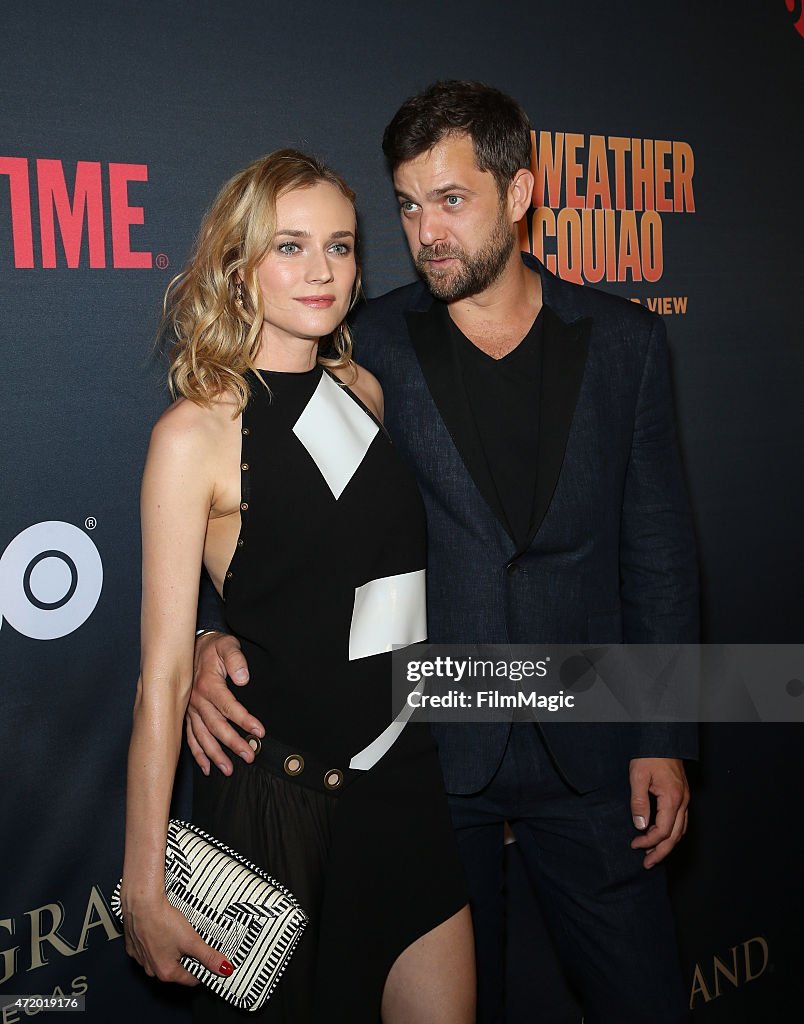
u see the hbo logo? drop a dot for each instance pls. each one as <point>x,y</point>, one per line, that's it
<point>51,577</point>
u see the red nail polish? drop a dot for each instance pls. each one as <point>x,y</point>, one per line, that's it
<point>226,968</point>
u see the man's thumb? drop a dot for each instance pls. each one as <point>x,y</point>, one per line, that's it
<point>640,808</point>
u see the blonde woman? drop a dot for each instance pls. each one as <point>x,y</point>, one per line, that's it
<point>273,470</point>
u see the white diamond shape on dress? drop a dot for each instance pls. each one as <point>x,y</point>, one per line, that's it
<point>336,432</point>
<point>388,612</point>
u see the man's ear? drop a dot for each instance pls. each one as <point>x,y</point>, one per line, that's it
<point>520,193</point>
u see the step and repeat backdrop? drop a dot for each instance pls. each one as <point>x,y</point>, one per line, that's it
<point>668,156</point>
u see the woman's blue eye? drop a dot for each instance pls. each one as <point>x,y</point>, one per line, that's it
<point>286,248</point>
<point>340,249</point>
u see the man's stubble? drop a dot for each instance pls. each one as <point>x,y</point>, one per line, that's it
<point>478,270</point>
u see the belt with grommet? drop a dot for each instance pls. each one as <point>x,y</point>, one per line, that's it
<point>315,771</point>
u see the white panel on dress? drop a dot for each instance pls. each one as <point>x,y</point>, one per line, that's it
<point>336,432</point>
<point>388,612</point>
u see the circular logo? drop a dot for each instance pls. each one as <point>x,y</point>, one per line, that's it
<point>51,577</point>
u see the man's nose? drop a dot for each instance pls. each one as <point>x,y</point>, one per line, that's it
<point>431,227</point>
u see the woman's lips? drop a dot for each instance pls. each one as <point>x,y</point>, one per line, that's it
<point>317,301</point>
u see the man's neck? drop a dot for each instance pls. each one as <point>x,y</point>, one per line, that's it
<point>497,319</point>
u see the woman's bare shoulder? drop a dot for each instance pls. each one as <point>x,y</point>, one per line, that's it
<point>188,428</point>
<point>365,386</point>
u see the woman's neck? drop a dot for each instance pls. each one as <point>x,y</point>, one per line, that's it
<point>287,355</point>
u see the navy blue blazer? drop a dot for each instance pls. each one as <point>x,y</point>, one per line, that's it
<point>610,557</point>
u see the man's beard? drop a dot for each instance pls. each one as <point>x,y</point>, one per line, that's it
<point>477,271</point>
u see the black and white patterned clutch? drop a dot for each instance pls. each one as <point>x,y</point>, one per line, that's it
<point>236,907</point>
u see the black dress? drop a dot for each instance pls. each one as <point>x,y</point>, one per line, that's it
<point>327,575</point>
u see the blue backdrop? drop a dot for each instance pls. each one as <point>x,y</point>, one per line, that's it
<point>669,153</point>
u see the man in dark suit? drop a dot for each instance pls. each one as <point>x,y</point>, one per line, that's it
<point>537,416</point>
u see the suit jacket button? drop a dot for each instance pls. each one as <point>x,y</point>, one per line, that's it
<point>512,568</point>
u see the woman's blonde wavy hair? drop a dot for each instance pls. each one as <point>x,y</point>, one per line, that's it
<point>216,324</point>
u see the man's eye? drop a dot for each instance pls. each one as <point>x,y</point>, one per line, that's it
<point>288,248</point>
<point>454,200</point>
<point>408,207</point>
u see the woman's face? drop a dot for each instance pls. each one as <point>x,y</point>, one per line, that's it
<point>306,276</point>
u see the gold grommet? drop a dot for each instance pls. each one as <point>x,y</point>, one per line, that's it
<point>246,431</point>
<point>244,465</point>
<point>244,506</point>
<point>333,778</point>
<point>229,575</point>
<point>255,743</point>
<point>294,764</point>
<point>240,543</point>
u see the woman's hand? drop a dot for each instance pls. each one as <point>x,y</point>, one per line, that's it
<point>158,935</point>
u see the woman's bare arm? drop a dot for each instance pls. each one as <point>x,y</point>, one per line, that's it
<point>177,493</point>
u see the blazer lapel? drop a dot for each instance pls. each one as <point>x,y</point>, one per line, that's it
<point>429,331</point>
<point>565,344</point>
<point>564,350</point>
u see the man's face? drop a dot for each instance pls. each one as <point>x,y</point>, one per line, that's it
<point>460,232</point>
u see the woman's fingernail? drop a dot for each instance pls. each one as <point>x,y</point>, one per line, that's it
<point>226,968</point>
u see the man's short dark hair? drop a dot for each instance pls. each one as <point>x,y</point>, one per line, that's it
<point>496,124</point>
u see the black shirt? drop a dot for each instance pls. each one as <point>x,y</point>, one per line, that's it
<point>503,395</point>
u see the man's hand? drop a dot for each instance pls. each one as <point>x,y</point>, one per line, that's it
<point>664,777</point>
<point>212,705</point>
